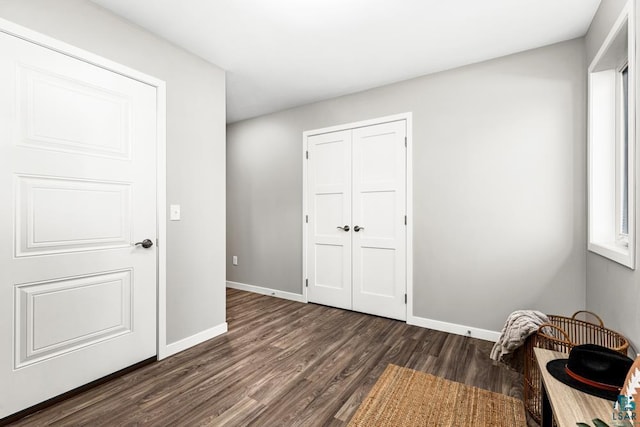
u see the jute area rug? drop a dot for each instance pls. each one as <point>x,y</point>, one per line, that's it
<point>404,397</point>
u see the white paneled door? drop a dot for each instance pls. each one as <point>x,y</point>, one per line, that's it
<point>356,250</point>
<point>78,179</point>
<point>329,178</point>
<point>379,207</point>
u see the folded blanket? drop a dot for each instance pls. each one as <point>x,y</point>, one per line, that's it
<point>519,325</point>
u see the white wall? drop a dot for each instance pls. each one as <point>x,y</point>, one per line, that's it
<point>613,291</point>
<point>604,18</point>
<point>195,147</point>
<point>499,177</point>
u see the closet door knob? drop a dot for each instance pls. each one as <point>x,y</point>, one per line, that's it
<point>357,228</point>
<point>345,228</point>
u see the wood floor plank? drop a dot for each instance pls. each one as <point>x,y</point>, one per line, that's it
<point>282,363</point>
<point>398,354</point>
<point>238,415</point>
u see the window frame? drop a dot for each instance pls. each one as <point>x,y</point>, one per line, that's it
<point>607,179</point>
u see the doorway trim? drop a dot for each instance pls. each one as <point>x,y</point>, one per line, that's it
<point>408,117</point>
<point>51,43</point>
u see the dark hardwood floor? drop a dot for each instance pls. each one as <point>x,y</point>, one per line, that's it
<point>282,363</point>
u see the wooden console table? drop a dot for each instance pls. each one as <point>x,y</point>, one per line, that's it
<point>567,405</point>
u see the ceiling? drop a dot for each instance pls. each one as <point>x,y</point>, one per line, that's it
<point>284,53</point>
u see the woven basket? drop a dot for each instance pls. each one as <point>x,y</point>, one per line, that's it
<point>562,334</point>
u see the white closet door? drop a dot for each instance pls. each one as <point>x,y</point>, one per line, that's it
<point>379,206</point>
<point>329,204</point>
<point>77,176</point>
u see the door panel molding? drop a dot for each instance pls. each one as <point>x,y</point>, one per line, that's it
<point>38,87</point>
<point>42,201</point>
<point>37,340</point>
<point>376,184</point>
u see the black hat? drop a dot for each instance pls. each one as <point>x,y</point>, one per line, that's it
<point>593,369</point>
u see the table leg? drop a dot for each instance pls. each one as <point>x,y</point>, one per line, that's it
<point>547,413</point>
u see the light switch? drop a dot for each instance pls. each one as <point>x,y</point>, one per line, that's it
<point>174,212</point>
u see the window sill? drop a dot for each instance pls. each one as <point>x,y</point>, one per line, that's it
<point>615,252</point>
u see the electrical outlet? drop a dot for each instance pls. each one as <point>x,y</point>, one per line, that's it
<point>235,260</point>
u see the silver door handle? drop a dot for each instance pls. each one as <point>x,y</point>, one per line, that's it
<point>345,228</point>
<point>146,243</point>
<point>357,228</point>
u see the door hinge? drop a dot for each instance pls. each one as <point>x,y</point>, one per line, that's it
<point>405,141</point>
<point>405,220</point>
<point>405,298</point>
<point>307,218</point>
<point>307,154</point>
<point>306,283</point>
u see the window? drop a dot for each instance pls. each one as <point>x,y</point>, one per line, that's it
<point>623,156</point>
<point>612,145</point>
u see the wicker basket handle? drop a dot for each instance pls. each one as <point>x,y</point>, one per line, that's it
<point>588,312</point>
<point>545,325</point>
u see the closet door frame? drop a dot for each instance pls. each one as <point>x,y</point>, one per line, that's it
<point>408,116</point>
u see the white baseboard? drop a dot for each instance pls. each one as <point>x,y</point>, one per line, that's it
<point>185,343</point>
<point>453,328</point>
<point>438,325</point>
<point>266,291</point>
